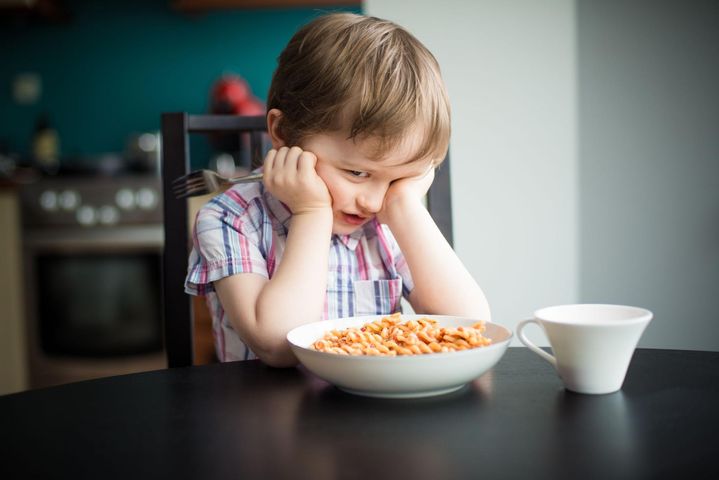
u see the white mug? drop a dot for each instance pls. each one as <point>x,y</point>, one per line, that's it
<point>592,343</point>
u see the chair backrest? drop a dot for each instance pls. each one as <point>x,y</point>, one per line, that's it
<point>176,131</point>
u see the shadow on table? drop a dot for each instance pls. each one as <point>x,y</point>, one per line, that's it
<point>344,433</point>
<point>303,427</point>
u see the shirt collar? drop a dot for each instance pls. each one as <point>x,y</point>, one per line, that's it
<point>350,241</point>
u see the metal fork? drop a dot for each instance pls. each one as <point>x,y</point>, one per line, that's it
<point>202,182</point>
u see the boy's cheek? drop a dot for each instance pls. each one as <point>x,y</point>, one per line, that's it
<point>324,175</point>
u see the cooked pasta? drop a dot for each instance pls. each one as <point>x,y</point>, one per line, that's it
<point>390,336</point>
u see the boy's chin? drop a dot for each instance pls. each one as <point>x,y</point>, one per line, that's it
<point>344,229</point>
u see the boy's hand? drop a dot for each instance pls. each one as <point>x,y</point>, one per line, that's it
<point>405,193</point>
<point>289,174</point>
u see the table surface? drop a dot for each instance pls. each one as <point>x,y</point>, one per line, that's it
<point>247,420</point>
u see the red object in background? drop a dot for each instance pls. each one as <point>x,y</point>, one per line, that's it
<point>232,95</point>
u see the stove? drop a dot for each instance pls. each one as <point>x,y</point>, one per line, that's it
<point>92,202</point>
<point>92,249</point>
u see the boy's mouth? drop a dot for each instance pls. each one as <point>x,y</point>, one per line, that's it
<point>353,219</point>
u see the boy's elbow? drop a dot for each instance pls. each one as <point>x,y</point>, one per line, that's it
<point>270,346</point>
<point>279,360</point>
<point>276,354</point>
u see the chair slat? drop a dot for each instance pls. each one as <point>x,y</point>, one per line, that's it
<point>224,123</point>
<point>177,306</point>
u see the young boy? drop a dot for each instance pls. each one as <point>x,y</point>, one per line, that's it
<point>359,119</point>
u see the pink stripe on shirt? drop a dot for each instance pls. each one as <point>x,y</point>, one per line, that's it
<point>235,195</point>
<point>271,259</point>
<point>244,247</point>
<point>384,244</point>
<point>361,263</point>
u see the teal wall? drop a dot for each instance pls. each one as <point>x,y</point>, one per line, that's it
<point>118,64</point>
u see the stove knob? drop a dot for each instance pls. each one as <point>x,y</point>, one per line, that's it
<point>69,199</point>
<point>146,198</point>
<point>109,215</point>
<point>125,199</point>
<point>48,200</point>
<point>86,215</point>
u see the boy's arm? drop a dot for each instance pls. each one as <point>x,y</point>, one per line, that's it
<point>442,285</point>
<point>261,310</point>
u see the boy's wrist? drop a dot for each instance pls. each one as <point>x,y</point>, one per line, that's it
<point>316,215</point>
<point>398,209</point>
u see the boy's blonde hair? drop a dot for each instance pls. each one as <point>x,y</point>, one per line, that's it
<point>363,75</point>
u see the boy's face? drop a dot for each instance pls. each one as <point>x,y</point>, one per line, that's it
<point>357,182</point>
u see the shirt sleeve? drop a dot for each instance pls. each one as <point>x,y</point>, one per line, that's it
<point>226,240</point>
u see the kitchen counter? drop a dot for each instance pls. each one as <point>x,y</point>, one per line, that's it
<point>18,178</point>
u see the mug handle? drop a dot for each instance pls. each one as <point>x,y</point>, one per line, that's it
<point>530,345</point>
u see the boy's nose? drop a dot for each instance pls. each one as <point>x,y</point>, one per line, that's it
<point>371,201</point>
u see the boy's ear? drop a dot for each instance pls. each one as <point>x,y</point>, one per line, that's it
<point>273,128</point>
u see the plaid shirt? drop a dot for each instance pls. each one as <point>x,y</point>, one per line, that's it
<point>244,230</point>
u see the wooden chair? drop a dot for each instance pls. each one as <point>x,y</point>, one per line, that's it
<point>176,131</point>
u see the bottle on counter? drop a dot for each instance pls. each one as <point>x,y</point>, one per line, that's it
<point>46,146</point>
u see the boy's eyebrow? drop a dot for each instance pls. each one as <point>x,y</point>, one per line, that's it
<point>363,165</point>
<point>353,165</point>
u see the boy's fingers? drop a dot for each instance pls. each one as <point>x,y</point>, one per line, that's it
<point>281,157</point>
<point>269,161</point>
<point>306,163</point>
<point>292,158</point>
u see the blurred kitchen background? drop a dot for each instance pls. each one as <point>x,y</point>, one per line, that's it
<point>83,85</point>
<point>585,158</point>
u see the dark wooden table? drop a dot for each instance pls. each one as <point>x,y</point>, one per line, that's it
<point>245,420</point>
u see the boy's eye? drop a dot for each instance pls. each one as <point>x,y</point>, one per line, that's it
<point>357,173</point>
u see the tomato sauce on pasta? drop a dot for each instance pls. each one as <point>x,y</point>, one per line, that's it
<point>391,336</point>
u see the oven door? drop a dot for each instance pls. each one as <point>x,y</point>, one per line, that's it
<point>96,293</point>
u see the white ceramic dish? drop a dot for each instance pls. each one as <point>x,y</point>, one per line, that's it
<point>407,376</point>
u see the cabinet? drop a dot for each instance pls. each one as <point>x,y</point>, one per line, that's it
<point>13,357</point>
<point>33,11</point>
<point>205,5</point>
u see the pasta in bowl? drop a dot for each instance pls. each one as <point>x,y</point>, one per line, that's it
<point>411,356</point>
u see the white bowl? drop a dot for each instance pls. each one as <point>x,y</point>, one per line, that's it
<point>404,376</point>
